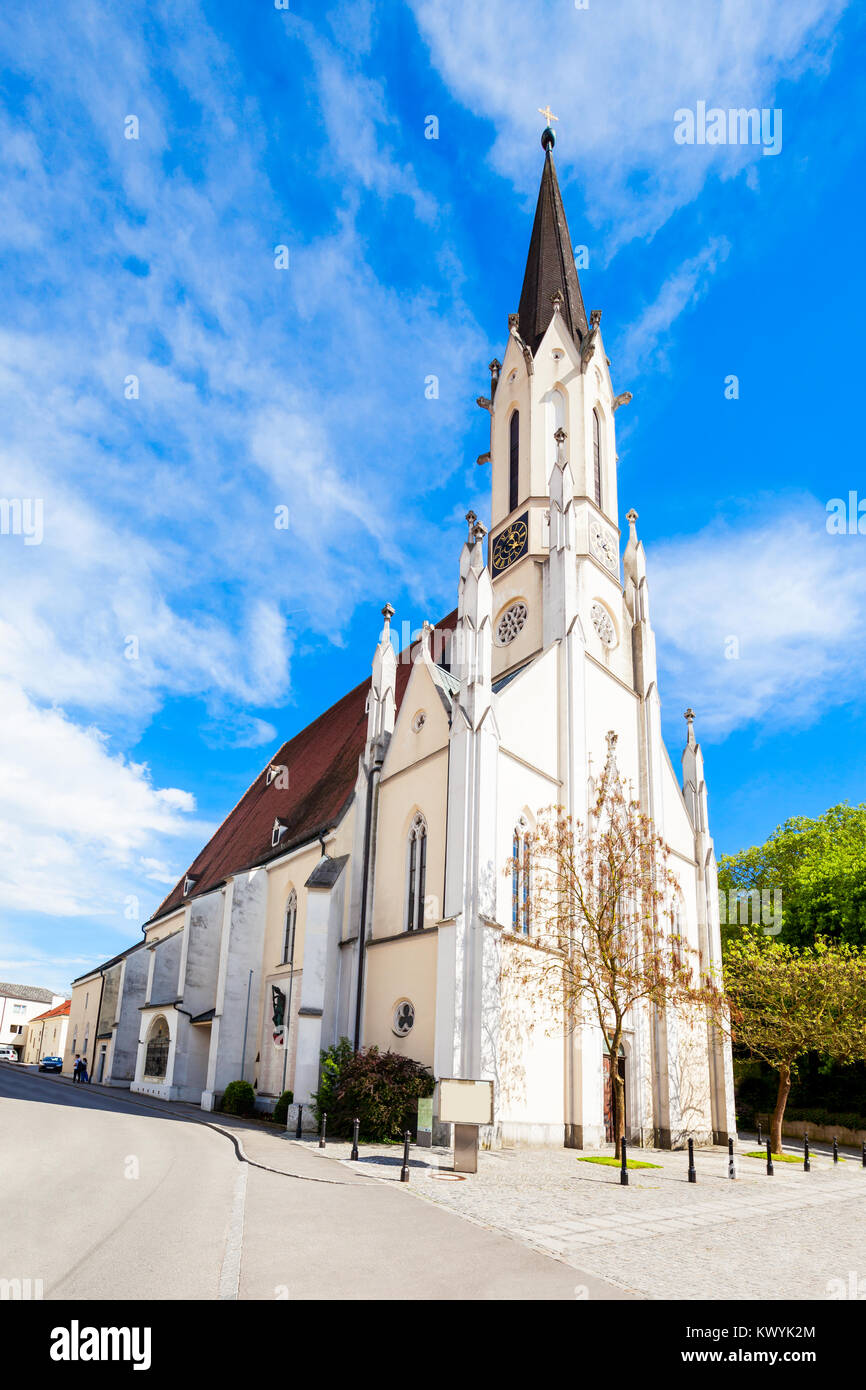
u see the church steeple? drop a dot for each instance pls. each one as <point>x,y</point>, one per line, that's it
<point>550,266</point>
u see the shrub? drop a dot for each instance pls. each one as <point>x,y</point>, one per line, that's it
<point>281,1109</point>
<point>239,1098</point>
<point>381,1089</point>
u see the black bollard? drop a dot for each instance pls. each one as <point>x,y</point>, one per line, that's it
<point>356,1125</point>
<point>835,1149</point>
<point>864,1153</point>
<point>299,1128</point>
<point>769,1160</point>
<point>404,1171</point>
<point>807,1167</point>
<point>623,1172</point>
<point>693,1177</point>
<point>732,1167</point>
<point>322,1130</point>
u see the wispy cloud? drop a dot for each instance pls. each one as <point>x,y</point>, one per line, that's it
<point>643,344</point>
<point>615,74</point>
<point>760,618</point>
<point>165,388</point>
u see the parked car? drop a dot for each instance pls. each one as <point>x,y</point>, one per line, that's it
<point>51,1064</point>
<point>8,1054</point>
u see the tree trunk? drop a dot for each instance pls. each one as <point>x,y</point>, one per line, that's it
<point>618,1093</point>
<point>779,1112</point>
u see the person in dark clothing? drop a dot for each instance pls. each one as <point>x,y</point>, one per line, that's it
<point>76,1070</point>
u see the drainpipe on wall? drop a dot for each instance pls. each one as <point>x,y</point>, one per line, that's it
<point>372,787</point>
<point>96,1025</point>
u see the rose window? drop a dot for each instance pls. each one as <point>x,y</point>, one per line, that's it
<point>601,621</point>
<point>511,623</point>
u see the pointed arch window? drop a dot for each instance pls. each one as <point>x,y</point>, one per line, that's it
<point>521,880</point>
<point>290,925</point>
<point>416,874</point>
<point>514,461</point>
<point>596,457</point>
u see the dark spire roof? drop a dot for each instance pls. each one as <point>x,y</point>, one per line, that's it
<point>550,266</point>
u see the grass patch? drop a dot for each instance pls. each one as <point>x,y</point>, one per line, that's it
<point>778,1158</point>
<point>609,1161</point>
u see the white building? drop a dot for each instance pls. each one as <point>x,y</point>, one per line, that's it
<point>45,1035</point>
<point>358,888</point>
<point>18,1005</point>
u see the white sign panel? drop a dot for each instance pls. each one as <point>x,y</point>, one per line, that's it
<point>465,1102</point>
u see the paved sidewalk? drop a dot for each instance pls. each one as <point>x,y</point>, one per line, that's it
<point>757,1237</point>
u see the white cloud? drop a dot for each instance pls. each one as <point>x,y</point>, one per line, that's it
<point>256,388</point>
<point>77,822</point>
<point>643,344</point>
<point>778,590</point>
<point>615,73</point>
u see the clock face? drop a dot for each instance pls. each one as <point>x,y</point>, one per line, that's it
<point>510,544</point>
<point>603,545</point>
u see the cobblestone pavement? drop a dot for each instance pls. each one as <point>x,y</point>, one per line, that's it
<point>757,1237</point>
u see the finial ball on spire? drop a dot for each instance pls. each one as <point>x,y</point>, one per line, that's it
<point>548,139</point>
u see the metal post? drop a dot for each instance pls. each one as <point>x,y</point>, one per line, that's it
<point>299,1130</point>
<point>760,1141</point>
<point>623,1172</point>
<point>769,1160</point>
<point>404,1171</point>
<point>356,1125</point>
<point>693,1177</point>
<point>835,1149</point>
<point>864,1153</point>
<point>322,1130</point>
<point>732,1167</point>
<point>807,1167</point>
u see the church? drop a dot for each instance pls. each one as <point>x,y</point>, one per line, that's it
<point>359,888</point>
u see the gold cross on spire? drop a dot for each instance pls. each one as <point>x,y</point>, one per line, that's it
<point>548,115</point>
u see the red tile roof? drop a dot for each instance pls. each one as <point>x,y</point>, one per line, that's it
<point>322,763</point>
<point>62,1011</point>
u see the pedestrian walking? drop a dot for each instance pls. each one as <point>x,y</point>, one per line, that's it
<point>76,1070</point>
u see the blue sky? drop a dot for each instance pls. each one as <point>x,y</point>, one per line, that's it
<point>165,637</point>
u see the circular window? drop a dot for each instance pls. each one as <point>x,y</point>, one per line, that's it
<point>511,623</point>
<point>419,721</point>
<point>603,624</point>
<point>404,1018</point>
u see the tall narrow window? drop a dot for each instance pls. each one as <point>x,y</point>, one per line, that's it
<point>291,923</point>
<point>514,462</point>
<point>521,893</point>
<point>596,456</point>
<point>417,874</point>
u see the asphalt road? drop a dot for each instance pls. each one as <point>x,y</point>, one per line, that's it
<point>102,1197</point>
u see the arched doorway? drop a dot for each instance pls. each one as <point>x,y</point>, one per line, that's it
<point>156,1050</point>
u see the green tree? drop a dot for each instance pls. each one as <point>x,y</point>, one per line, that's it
<point>819,866</point>
<point>786,1001</point>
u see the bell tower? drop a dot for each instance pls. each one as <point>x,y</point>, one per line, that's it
<point>554,378</point>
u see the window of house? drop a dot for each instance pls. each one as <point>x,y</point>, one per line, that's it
<point>277,833</point>
<point>416,874</point>
<point>514,461</point>
<point>291,923</point>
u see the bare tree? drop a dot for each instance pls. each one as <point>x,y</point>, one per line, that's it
<point>597,945</point>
